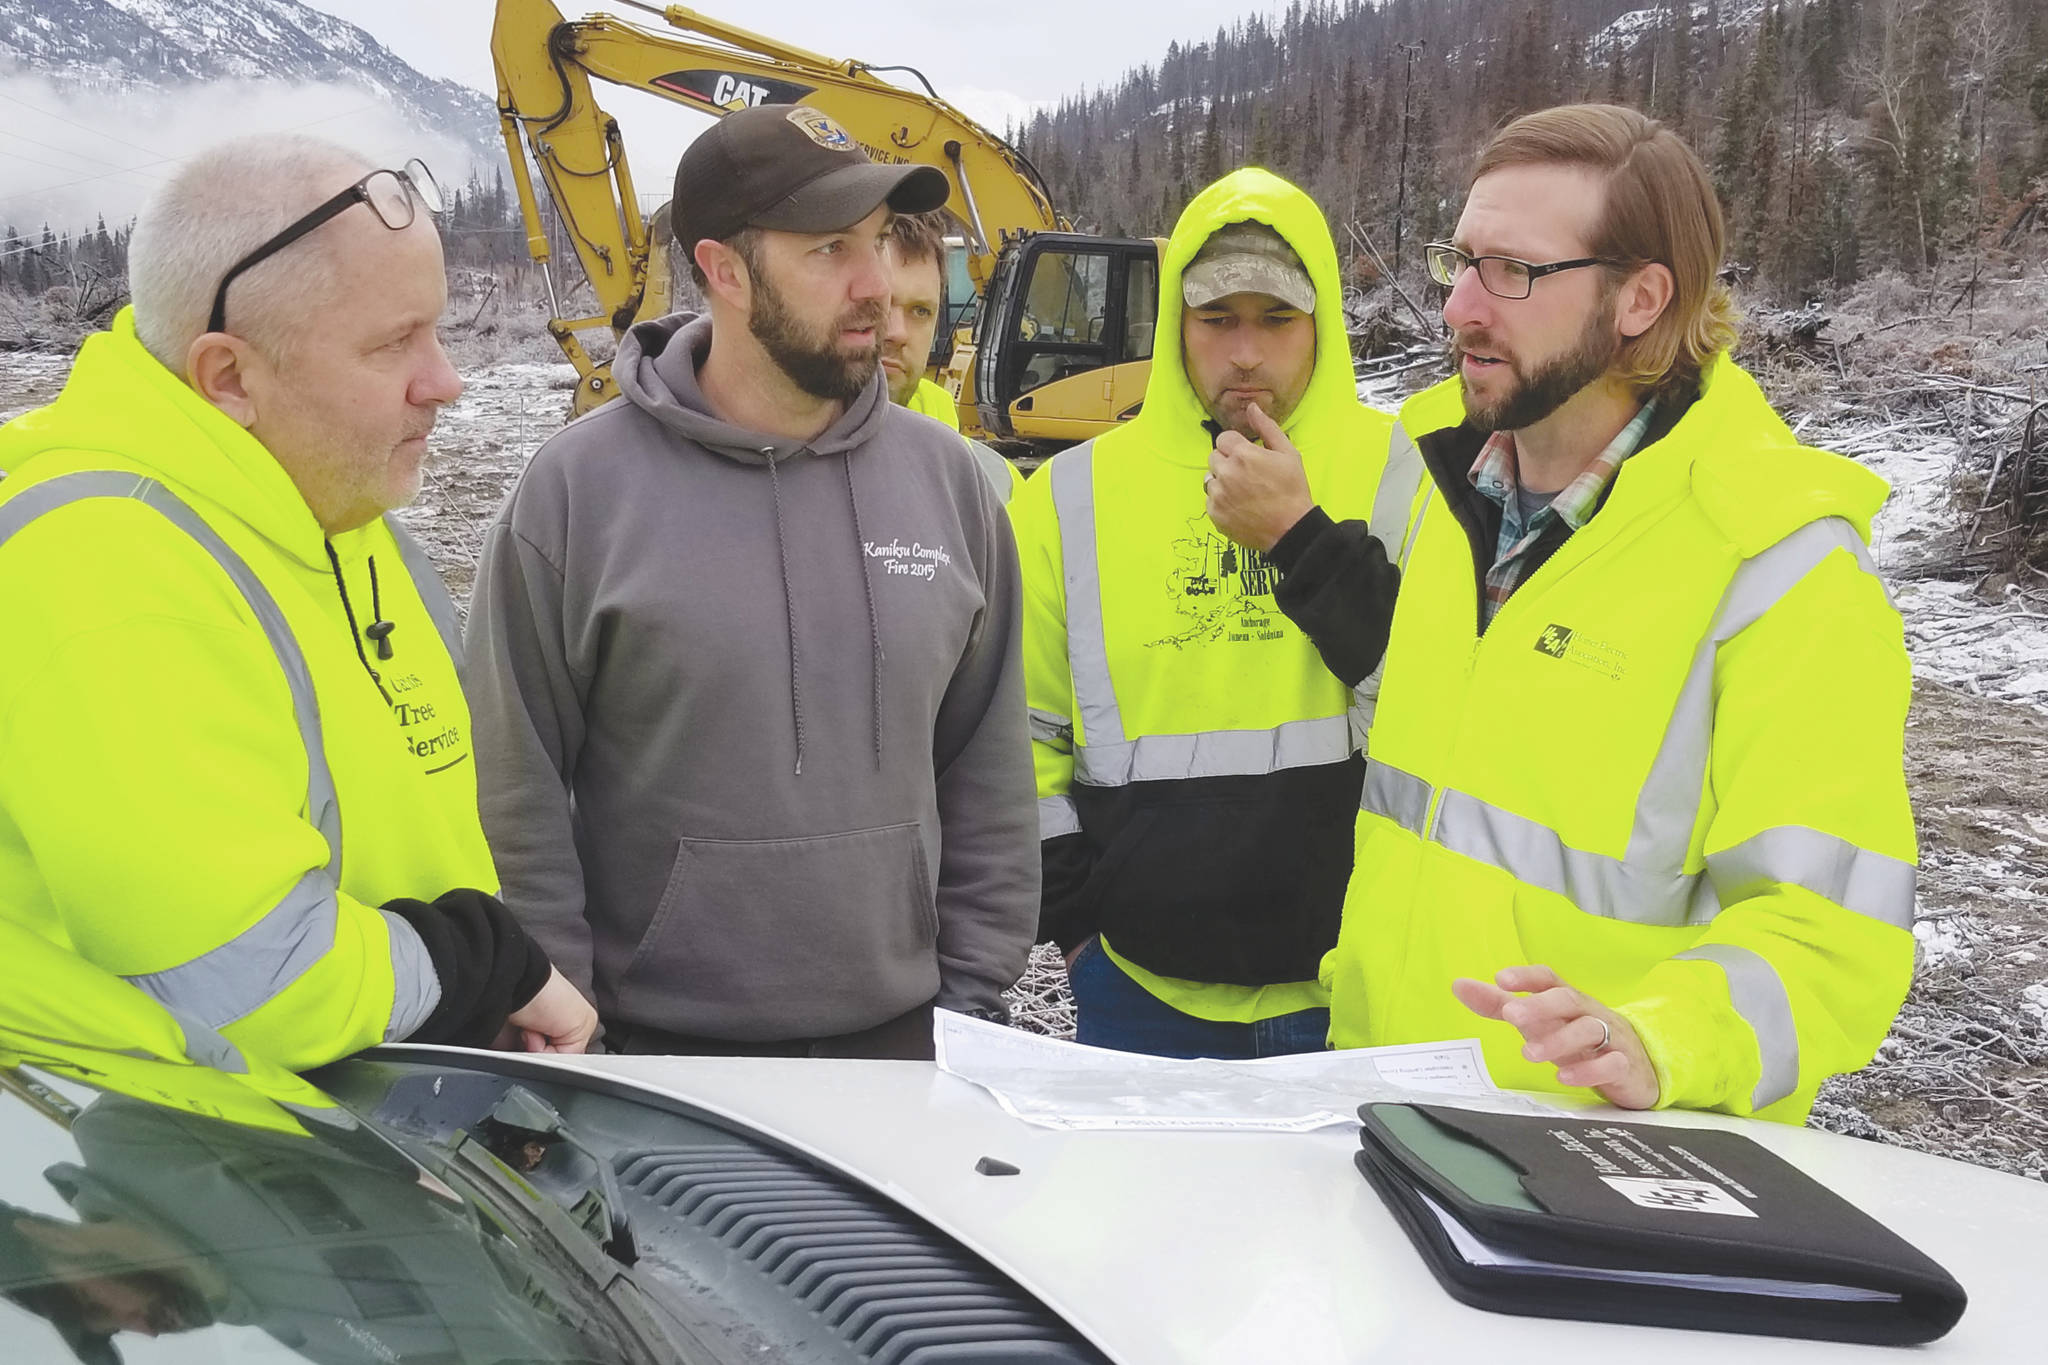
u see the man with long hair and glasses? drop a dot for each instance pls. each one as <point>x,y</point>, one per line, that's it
<point>1635,808</point>
<point>235,763</point>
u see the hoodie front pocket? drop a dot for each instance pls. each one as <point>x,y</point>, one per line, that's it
<point>768,938</point>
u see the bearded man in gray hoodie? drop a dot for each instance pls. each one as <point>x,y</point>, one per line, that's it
<point>743,653</point>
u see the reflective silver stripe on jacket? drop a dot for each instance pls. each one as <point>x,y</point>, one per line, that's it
<point>1759,996</point>
<point>1109,758</point>
<point>426,580</point>
<point>994,468</point>
<point>1073,498</point>
<point>1047,728</point>
<point>1214,753</point>
<point>1057,816</point>
<point>1649,884</point>
<point>1400,481</point>
<point>239,977</point>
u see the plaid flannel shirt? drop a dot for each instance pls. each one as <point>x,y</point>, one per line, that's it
<point>1494,474</point>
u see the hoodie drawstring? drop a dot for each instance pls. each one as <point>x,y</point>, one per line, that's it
<point>381,637</point>
<point>796,686</point>
<point>796,693</point>
<point>860,541</point>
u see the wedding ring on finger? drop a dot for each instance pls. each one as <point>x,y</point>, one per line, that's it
<point>1606,1037</point>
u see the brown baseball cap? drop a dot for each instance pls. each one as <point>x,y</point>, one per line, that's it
<point>790,168</point>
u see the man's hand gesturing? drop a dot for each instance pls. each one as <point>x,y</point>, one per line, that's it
<point>1590,1044</point>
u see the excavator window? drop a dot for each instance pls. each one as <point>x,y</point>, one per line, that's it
<point>1065,306</point>
<point>1141,307</point>
<point>961,302</point>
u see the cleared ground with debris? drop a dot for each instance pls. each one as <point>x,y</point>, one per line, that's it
<point>1924,398</point>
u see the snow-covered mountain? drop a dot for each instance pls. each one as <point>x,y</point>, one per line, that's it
<point>117,50</point>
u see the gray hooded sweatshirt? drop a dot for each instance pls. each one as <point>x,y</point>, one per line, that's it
<point>749,713</point>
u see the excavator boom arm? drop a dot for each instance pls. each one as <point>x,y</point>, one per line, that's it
<point>545,65</point>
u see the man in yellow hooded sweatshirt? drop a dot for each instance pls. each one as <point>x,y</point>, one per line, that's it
<point>1636,789</point>
<point>235,763</point>
<point>1196,754</point>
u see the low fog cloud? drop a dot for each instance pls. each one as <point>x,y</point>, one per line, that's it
<point>68,156</point>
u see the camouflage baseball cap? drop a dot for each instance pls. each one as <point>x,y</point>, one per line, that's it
<point>1247,258</point>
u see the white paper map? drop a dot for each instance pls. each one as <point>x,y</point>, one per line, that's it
<point>1057,1084</point>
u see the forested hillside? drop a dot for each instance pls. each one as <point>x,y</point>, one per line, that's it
<point>1846,136</point>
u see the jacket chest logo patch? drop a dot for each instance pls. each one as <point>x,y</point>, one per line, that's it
<point>915,560</point>
<point>1220,590</point>
<point>429,736</point>
<point>1577,647</point>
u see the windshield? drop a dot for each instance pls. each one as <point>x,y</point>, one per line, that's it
<point>144,1231</point>
<point>445,1207</point>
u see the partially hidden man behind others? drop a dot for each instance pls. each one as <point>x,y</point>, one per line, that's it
<point>744,649</point>
<point>917,306</point>
<point>1636,784</point>
<point>1193,716</point>
<point>235,762</point>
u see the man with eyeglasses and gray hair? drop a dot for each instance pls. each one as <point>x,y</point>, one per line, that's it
<point>1635,808</point>
<point>235,763</point>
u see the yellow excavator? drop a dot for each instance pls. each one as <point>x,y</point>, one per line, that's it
<point>1061,339</point>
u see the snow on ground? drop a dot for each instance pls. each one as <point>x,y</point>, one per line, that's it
<point>29,379</point>
<point>1996,648</point>
<point>1965,1071</point>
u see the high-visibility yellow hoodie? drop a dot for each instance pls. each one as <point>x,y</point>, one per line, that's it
<point>159,814</point>
<point>1194,754</point>
<point>1670,768</point>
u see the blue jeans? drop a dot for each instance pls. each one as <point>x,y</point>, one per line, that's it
<point>1114,1011</point>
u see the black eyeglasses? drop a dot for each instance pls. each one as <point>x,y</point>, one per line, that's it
<point>1502,276</point>
<point>388,193</point>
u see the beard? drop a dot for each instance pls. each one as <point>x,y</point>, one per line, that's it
<point>810,356</point>
<point>1550,386</point>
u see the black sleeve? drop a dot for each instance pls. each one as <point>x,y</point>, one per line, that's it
<point>488,965</point>
<point>1065,915</point>
<point>1337,585</point>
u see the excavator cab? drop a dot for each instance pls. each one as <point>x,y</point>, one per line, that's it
<point>1061,339</point>
<point>1063,342</point>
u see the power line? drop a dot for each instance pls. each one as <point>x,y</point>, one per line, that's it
<point>46,113</point>
<point>162,161</point>
<point>32,161</point>
<point>68,151</point>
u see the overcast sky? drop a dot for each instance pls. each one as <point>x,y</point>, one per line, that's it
<point>991,59</point>
<point>74,156</point>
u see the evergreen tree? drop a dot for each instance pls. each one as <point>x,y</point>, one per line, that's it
<point>1210,168</point>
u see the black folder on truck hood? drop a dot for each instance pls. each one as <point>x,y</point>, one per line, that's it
<point>1622,1222</point>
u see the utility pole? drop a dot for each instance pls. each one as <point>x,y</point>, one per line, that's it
<point>1401,188</point>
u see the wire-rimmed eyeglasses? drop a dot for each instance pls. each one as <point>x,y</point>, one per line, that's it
<point>390,196</point>
<point>1502,276</point>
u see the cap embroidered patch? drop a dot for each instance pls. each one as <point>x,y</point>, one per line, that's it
<point>820,128</point>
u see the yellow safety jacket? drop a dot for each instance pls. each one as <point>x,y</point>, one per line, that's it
<point>1181,723</point>
<point>1670,769</point>
<point>934,402</point>
<point>202,789</point>
<point>62,1015</point>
